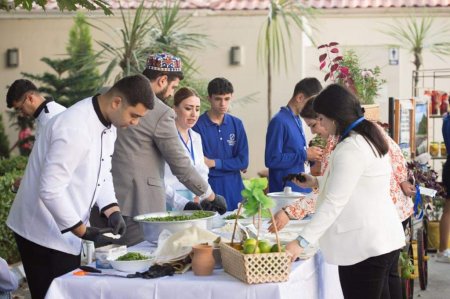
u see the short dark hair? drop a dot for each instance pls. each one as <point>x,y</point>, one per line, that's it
<point>308,86</point>
<point>134,90</point>
<point>152,75</point>
<point>308,110</point>
<point>182,94</point>
<point>18,89</point>
<point>220,86</point>
<point>341,105</point>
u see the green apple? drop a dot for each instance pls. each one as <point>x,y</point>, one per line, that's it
<point>250,241</point>
<point>264,246</point>
<point>275,248</point>
<point>249,249</point>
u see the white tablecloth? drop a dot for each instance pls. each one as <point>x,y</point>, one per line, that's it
<point>309,279</point>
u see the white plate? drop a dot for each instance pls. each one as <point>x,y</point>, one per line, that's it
<point>133,266</point>
<point>291,195</point>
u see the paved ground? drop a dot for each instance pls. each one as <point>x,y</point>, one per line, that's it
<point>438,283</point>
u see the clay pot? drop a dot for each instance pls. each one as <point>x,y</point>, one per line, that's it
<point>202,260</point>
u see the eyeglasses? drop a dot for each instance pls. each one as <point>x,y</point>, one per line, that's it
<point>19,107</point>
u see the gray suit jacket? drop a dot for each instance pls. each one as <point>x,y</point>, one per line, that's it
<point>138,163</point>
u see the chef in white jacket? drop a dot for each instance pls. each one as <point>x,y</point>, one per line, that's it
<point>25,97</point>
<point>69,171</point>
<point>187,108</point>
<point>356,223</point>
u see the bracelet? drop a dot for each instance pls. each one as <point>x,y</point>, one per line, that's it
<point>286,212</point>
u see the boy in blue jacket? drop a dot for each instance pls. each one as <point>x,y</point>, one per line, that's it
<point>286,150</point>
<point>224,142</point>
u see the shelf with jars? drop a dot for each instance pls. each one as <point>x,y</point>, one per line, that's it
<point>437,150</point>
<point>433,87</point>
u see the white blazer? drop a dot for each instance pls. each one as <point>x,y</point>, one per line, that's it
<point>355,217</point>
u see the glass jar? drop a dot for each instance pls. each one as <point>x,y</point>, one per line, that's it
<point>434,149</point>
<point>443,150</point>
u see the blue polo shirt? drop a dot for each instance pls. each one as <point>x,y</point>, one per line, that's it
<point>285,149</point>
<point>227,145</point>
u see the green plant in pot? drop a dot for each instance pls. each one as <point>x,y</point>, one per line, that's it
<point>428,178</point>
<point>346,69</point>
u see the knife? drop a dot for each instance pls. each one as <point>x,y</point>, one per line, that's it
<point>87,270</point>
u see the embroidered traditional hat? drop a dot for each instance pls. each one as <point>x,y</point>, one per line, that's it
<point>164,62</point>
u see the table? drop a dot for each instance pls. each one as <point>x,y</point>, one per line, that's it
<point>309,279</point>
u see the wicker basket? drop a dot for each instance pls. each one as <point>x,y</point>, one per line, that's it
<point>258,267</point>
<point>255,268</point>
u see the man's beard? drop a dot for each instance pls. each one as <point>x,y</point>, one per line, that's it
<point>162,94</point>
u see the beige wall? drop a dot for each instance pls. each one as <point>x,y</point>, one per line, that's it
<point>45,35</point>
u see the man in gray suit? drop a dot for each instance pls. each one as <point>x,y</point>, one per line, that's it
<point>140,154</point>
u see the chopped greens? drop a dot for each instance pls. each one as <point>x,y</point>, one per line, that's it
<point>233,216</point>
<point>132,256</point>
<point>195,215</point>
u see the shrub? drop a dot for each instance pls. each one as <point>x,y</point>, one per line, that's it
<point>8,248</point>
<point>15,163</point>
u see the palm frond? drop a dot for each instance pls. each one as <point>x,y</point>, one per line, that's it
<point>277,31</point>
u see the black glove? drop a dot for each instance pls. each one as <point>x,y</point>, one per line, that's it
<point>218,204</point>
<point>117,223</point>
<point>95,234</point>
<point>192,206</point>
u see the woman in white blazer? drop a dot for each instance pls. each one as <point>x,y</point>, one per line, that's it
<point>186,104</point>
<point>356,222</point>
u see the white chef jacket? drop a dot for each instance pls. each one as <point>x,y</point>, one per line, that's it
<point>69,170</point>
<point>44,113</point>
<point>172,184</point>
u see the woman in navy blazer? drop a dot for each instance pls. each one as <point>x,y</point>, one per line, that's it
<point>356,222</point>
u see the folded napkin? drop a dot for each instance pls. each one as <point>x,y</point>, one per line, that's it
<point>178,245</point>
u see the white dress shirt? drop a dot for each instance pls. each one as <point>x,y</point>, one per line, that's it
<point>69,170</point>
<point>355,217</point>
<point>172,184</point>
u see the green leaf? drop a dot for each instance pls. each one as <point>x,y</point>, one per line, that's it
<point>246,193</point>
<point>260,183</point>
<point>267,202</point>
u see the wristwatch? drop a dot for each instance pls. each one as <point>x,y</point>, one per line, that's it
<point>302,242</point>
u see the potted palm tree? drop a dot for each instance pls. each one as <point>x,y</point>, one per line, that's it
<point>418,35</point>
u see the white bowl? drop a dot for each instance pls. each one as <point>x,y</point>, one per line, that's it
<point>133,266</point>
<point>283,199</point>
<point>152,229</point>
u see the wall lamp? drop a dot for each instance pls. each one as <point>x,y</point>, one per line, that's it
<point>12,57</point>
<point>236,55</point>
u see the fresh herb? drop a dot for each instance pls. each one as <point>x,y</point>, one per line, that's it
<point>169,218</point>
<point>132,256</point>
<point>318,141</point>
<point>255,199</point>
<point>233,216</point>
